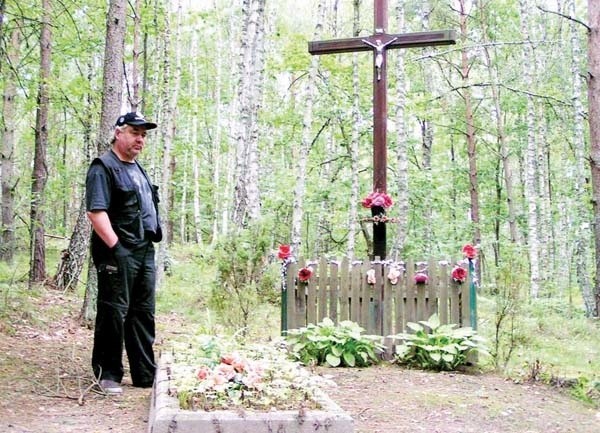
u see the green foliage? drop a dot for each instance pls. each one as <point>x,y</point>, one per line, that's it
<point>438,347</point>
<point>336,346</point>
<point>245,280</point>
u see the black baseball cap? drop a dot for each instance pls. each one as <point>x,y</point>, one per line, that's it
<point>135,119</point>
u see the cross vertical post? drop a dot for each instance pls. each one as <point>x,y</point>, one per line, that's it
<point>379,42</point>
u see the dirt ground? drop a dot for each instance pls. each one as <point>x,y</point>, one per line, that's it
<point>45,388</point>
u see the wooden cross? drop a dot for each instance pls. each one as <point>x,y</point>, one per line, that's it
<point>379,43</point>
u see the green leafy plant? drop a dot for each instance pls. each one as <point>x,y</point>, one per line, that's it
<point>338,346</point>
<point>433,346</point>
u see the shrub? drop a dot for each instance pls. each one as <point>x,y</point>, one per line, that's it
<point>337,346</point>
<point>438,347</point>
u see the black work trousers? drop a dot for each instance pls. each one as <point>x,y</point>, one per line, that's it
<point>125,312</point>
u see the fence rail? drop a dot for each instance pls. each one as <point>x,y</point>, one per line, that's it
<point>340,290</point>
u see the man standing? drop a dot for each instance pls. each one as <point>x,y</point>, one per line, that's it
<point>122,205</point>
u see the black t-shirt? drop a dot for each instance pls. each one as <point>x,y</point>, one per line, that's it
<point>98,192</point>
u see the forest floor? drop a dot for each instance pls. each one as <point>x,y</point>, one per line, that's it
<point>45,388</point>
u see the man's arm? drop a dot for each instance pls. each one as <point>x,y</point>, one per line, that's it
<point>101,224</point>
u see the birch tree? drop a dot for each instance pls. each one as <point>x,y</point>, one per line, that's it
<point>7,157</point>
<point>37,269</point>
<point>402,191</point>
<point>531,196</point>
<point>354,139</point>
<point>307,120</point>
<point>112,91</point>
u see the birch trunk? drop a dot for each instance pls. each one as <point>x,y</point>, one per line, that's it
<point>354,141</point>
<point>300,187</point>
<point>7,157</point>
<point>581,225</point>
<point>531,195</point>
<point>112,90</point>
<point>402,204</point>
<point>171,83</point>
<point>37,268</point>
<point>470,126</point>
<point>256,76</point>
<point>594,124</point>
<point>134,94</point>
<point>427,134</point>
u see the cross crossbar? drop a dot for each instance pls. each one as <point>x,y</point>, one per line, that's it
<point>405,40</point>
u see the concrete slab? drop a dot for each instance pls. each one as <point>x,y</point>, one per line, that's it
<point>167,417</point>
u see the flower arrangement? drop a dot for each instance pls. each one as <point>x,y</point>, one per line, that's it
<point>304,274</point>
<point>469,251</point>
<point>371,276</point>
<point>459,274</point>
<point>376,198</point>
<point>209,374</point>
<point>421,278</point>
<point>393,275</point>
<point>284,252</point>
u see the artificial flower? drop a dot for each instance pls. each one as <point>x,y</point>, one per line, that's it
<point>284,252</point>
<point>393,275</point>
<point>421,278</point>
<point>371,276</point>
<point>469,251</point>
<point>376,198</point>
<point>304,274</point>
<point>459,274</point>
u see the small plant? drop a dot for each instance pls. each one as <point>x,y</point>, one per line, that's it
<point>438,347</point>
<point>337,346</point>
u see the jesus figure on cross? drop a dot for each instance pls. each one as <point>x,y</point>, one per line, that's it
<point>379,43</point>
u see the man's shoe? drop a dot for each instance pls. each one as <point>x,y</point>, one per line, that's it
<point>111,387</point>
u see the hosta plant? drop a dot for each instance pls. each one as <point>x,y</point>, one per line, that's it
<point>215,373</point>
<point>433,346</point>
<point>341,345</point>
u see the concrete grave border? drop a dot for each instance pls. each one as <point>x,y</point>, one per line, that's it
<point>167,417</point>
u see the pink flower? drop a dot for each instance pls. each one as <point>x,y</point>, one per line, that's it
<point>304,274</point>
<point>469,251</point>
<point>459,274</point>
<point>421,278</point>
<point>284,252</point>
<point>203,372</point>
<point>376,198</point>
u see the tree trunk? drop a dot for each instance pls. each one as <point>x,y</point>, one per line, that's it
<point>302,157</point>
<point>594,123</point>
<point>7,159</point>
<point>112,90</point>
<point>531,195</point>
<point>354,142</point>
<point>37,270</point>
<point>470,127</point>
<point>401,199</point>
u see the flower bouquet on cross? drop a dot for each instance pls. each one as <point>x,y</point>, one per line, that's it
<point>377,199</point>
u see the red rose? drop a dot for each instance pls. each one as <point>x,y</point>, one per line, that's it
<point>367,202</point>
<point>469,251</point>
<point>304,274</point>
<point>421,278</point>
<point>459,274</point>
<point>284,252</point>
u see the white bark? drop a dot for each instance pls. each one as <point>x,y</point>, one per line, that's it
<point>354,143</point>
<point>401,199</point>
<point>531,195</point>
<point>581,224</point>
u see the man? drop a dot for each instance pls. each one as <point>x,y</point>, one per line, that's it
<point>122,205</point>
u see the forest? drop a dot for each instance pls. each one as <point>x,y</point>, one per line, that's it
<point>491,141</point>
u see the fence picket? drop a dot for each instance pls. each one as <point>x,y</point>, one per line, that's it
<point>341,291</point>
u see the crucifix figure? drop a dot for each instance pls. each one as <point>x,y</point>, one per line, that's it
<point>379,43</point>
